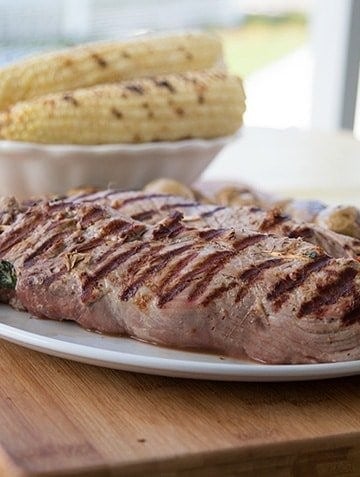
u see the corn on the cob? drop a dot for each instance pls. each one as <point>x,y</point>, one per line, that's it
<point>169,107</point>
<point>97,63</point>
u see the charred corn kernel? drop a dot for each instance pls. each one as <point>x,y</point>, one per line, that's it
<point>171,107</point>
<point>97,63</point>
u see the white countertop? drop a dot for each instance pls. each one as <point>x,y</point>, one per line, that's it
<point>292,162</point>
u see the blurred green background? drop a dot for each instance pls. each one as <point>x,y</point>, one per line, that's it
<point>261,40</point>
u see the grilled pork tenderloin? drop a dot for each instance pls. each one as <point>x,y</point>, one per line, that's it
<point>273,299</point>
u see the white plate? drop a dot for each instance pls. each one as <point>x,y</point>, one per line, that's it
<point>29,169</point>
<point>67,340</point>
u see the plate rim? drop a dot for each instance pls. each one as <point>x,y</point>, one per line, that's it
<point>169,366</point>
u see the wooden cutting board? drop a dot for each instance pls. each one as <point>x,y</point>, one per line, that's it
<point>59,417</point>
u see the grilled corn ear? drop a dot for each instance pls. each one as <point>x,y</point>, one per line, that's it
<point>169,107</point>
<point>96,63</point>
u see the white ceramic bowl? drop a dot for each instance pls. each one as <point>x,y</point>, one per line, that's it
<point>28,169</point>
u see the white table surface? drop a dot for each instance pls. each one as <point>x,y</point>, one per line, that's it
<point>292,162</point>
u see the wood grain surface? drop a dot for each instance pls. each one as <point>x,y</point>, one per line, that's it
<point>59,417</point>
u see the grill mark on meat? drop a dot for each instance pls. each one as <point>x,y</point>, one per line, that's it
<point>212,212</point>
<point>81,196</point>
<point>55,223</point>
<point>143,258</point>
<point>90,280</point>
<point>145,215</point>
<point>19,234</point>
<point>169,227</point>
<point>179,204</point>
<point>174,270</point>
<point>210,265</point>
<point>203,267</point>
<point>171,231</point>
<point>108,229</point>
<point>280,292</point>
<point>249,276</point>
<point>352,315</point>
<point>249,241</point>
<point>87,246</point>
<point>115,226</point>
<point>253,272</point>
<point>217,292</point>
<point>59,205</point>
<point>330,293</point>
<point>49,244</point>
<point>133,232</point>
<point>95,196</point>
<point>160,262</point>
<point>92,216</point>
<point>54,276</point>
<point>140,198</point>
<point>212,233</point>
<point>130,233</point>
<point>300,232</point>
<point>272,219</point>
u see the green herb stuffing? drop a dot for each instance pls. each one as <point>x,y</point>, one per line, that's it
<point>7,275</point>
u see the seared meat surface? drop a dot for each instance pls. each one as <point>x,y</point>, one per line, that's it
<point>150,208</point>
<point>271,298</point>
<point>343,219</point>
